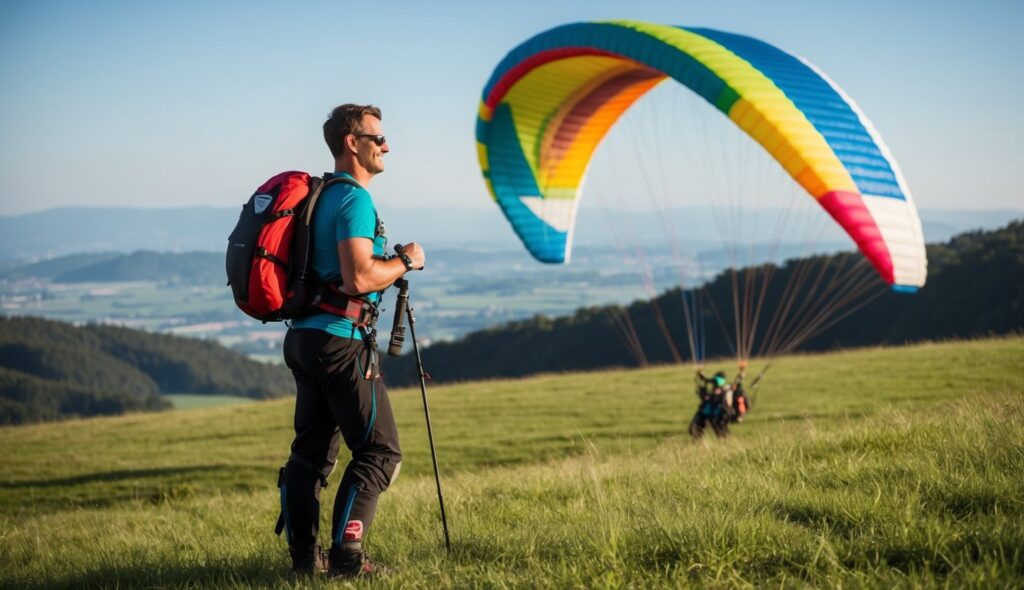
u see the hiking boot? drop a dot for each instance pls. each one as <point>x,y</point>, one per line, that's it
<point>315,563</point>
<point>349,564</point>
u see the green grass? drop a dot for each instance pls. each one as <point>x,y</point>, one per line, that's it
<point>886,467</point>
<point>192,401</point>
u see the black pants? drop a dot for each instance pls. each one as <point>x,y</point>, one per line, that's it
<point>335,400</point>
<point>701,419</point>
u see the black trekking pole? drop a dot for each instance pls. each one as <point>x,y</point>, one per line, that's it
<point>402,309</point>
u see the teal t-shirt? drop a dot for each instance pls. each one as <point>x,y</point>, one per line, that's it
<point>344,212</point>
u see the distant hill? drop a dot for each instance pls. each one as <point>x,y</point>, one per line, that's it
<point>50,370</point>
<point>30,236</point>
<point>201,268</point>
<point>975,287</point>
<point>193,267</point>
<point>55,267</point>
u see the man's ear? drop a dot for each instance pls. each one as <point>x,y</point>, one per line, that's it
<point>350,142</point>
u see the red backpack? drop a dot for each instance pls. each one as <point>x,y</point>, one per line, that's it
<point>269,256</point>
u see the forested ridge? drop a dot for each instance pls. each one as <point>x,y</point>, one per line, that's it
<point>50,370</point>
<point>975,287</point>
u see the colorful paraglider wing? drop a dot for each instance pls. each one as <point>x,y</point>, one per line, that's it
<point>552,100</point>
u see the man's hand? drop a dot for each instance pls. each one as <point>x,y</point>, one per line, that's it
<point>415,253</point>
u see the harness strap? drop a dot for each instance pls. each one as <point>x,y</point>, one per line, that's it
<point>319,472</point>
<point>372,361</point>
<point>297,460</point>
<point>282,516</point>
<point>329,298</point>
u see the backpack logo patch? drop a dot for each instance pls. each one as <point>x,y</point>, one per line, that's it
<point>261,202</point>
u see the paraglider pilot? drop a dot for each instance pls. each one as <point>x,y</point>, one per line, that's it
<point>721,402</point>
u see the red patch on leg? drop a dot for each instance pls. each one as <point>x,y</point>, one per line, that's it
<point>353,531</point>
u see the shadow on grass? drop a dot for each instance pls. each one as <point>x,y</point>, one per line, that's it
<point>821,519</point>
<point>108,476</point>
<point>969,504</point>
<point>803,416</point>
<point>251,572</point>
<point>700,568</point>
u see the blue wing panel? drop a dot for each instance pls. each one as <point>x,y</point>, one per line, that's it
<point>822,106</point>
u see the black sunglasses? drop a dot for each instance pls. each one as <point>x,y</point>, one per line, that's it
<point>377,139</point>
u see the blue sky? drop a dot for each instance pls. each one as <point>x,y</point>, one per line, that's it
<point>195,103</point>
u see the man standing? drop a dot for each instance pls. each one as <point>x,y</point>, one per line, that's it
<point>333,357</point>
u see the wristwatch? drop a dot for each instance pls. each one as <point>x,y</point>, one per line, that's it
<point>406,260</point>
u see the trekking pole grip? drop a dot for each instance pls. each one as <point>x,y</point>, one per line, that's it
<point>397,327</point>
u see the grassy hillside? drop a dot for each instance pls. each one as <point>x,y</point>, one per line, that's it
<point>192,401</point>
<point>876,467</point>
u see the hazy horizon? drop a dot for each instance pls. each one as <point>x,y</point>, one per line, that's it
<point>126,229</point>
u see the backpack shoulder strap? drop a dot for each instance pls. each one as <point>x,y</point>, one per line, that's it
<point>330,178</point>
<point>317,185</point>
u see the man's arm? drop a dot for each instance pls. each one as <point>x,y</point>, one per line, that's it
<point>742,374</point>
<point>701,383</point>
<point>362,272</point>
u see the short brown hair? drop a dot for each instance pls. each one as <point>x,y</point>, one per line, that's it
<point>343,121</point>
